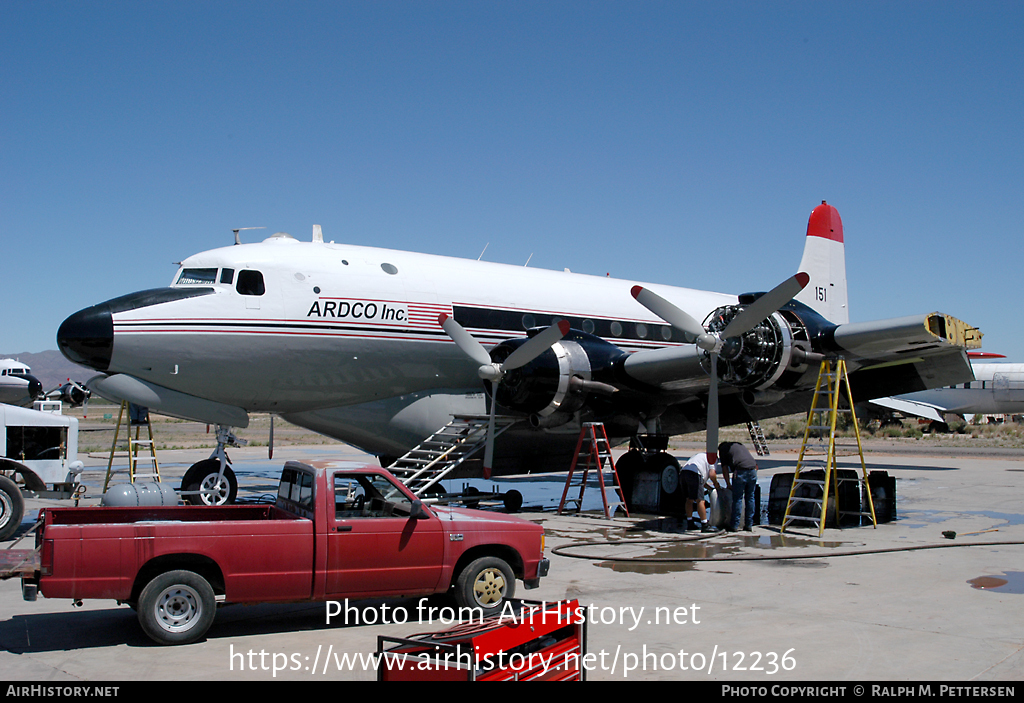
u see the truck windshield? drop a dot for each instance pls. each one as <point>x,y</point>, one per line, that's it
<point>35,443</point>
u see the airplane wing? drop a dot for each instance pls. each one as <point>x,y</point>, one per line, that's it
<point>911,407</point>
<point>885,357</point>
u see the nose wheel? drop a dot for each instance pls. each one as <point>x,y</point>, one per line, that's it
<point>204,484</point>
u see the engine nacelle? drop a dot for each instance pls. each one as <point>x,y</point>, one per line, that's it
<point>556,384</point>
<point>755,359</point>
<point>772,356</point>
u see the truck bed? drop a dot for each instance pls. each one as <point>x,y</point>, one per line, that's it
<point>177,513</point>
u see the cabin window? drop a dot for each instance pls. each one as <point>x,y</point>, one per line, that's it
<point>197,277</point>
<point>250,283</point>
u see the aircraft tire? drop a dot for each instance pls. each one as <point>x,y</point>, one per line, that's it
<point>12,507</point>
<point>177,607</point>
<point>485,583</point>
<point>203,475</point>
<point>627,467</point>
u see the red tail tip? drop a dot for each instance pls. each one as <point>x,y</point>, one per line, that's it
<point>825,222</point>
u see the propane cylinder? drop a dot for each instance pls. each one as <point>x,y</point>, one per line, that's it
<point>139,494</point>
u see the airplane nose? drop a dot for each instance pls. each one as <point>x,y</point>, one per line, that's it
<point>35,386</point>
<point>87,337</point>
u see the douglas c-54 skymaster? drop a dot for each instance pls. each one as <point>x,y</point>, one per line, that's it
<point>357,343</point>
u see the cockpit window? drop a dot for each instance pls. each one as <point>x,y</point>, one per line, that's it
<point>227,276</point>
<point>197,277</point>
<point>250,283</point>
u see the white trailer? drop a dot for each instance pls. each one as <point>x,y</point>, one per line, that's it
<point>38,458</point>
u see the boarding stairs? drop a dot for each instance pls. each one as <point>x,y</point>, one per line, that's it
<point>831,392</point>
<point>442,452</point>
<point>139,449</point>
<point>593,452</point>
<point>757,437</point>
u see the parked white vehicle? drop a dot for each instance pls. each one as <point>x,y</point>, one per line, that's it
<point>38,457</point>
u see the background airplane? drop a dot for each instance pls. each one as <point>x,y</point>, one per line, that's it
<point>17,384</point>
<point>380,348</point>
<point>997,389</point>
<point>19,387</point>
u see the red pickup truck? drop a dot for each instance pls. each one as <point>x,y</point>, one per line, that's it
<point>350,532</point>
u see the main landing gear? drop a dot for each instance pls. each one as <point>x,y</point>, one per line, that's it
<point>649,476</point>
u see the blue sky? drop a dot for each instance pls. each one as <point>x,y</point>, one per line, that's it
<point>670,142</point>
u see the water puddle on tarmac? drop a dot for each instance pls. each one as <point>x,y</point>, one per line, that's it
<point>1007,582</point>
<point>645,553</point>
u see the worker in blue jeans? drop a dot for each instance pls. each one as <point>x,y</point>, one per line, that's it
<point>740,469</point>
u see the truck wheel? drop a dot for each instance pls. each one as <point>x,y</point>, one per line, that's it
<point>177,607</point>
<point>12,507</point>
<point>486,583</point>
<point>203,476</point>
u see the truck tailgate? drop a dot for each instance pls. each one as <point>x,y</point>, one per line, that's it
<point>15,562</point>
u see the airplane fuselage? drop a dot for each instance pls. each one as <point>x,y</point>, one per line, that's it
<point>336,325</point>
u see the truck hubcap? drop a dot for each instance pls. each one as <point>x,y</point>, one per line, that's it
<point>177,607</point>
<point>489,587</point>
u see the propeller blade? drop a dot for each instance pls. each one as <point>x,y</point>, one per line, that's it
<point>489,446</point>
<point>668,312</point>
<point>752,315</point>
<point>464,340</point>
<point>270,444</point>
<point>712,424</point>
<point>536,345</point>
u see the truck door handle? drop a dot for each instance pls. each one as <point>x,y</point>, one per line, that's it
<point>343,528</point>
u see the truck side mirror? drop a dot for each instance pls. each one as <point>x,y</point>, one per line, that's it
<point>417,511</point>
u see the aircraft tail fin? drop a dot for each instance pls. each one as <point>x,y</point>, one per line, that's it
<point>825,260</point>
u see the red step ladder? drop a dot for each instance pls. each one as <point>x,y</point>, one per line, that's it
<point>595,451</point>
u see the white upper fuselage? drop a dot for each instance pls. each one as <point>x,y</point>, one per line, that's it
<point>359,323</point>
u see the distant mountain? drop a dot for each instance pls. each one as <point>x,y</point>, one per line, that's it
<point>51,368</point>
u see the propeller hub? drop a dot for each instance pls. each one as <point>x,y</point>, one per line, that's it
<point>491,372</point>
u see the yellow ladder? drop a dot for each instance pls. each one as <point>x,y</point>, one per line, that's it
<point>133,416</point>
<point>595,451</point>
<point>832,382</point>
